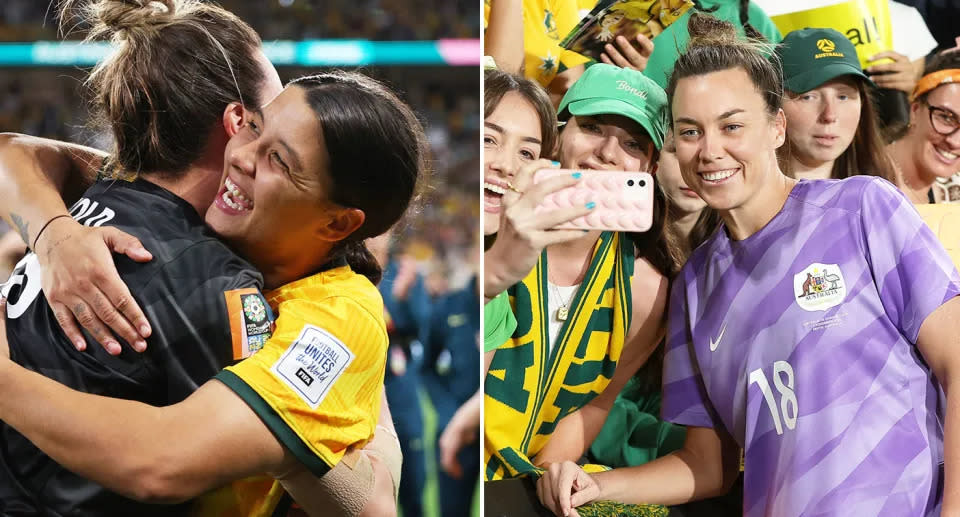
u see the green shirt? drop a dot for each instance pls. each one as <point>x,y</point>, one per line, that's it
<point>498,322</point>
<point>668,45</point>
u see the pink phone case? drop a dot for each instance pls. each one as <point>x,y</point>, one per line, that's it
<point>624,200</point>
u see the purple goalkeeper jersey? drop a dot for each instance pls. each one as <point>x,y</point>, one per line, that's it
<point>799,341</point>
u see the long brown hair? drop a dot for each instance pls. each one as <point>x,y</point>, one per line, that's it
<point>176,66</point>
<point>866,154</point>
<point>497,83</point>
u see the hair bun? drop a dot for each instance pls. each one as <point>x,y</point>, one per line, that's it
<point>120,15</point>
<point>707,30</point>
<point>113,17</point>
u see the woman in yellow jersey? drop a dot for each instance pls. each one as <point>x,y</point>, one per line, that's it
<point>333,160</point>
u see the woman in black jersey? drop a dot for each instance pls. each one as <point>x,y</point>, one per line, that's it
<point>180,160</point>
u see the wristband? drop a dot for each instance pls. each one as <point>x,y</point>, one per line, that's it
<point>52,219</point>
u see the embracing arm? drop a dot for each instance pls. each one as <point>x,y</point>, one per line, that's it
<point>37,175</point>
<point>140,451</point>
<point>938,342</point>
<point>576,431</point>
<point>169,454</point>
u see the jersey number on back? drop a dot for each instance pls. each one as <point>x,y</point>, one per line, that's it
<point>788,398</point>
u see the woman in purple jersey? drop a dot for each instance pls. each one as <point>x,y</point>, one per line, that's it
<point>816,331</point>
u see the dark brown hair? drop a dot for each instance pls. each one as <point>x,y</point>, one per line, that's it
<point>942,61</point>
<point>377,151</point>
<point>715,46</point>
<point>866,154</point>
<point>497,83</point>
<point>176,66</point>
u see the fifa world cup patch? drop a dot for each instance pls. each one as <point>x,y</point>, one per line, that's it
<point>251,321</point>
<point>819,287</point>
<point>312,363</point>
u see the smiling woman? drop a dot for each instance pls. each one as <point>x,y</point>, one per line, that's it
<point>296,159</point>
<point>929,147</point>
<point>806,280</point>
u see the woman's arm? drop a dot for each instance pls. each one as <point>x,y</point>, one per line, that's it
<point>37,175</point>
<point>503,38</point>
<point>80,280</point>
<point>706,466</point>
<point>174,453</point>
<point>938,342</point>
<point>152,454</point>
<point>576,431</point>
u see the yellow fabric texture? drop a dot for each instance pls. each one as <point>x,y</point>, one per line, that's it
<point>349,307</point>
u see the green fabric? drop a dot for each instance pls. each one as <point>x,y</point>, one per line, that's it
<point>812,57</point>
<point>498,322</point>
<point>605,89</point>
<point>610,508</point>
<point>633,433</point>
<point>673,40</point>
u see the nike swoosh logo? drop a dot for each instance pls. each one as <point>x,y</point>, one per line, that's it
<point>715,344</point>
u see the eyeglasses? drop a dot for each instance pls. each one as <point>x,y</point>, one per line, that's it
<point>944,121</point>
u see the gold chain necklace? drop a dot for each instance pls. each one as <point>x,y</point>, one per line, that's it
<point>562,312</point>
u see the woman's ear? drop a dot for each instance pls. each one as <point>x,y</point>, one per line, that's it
<point>342,224</point>
<point>780,126</point>
<point>233,119</point>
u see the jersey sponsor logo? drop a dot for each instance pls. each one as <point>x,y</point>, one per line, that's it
<point>715,344</point>
<point>819,287</point>
<point>312,364</point>
<point>250,321</point>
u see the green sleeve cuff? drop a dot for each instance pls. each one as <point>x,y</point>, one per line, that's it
<point>287,436</point>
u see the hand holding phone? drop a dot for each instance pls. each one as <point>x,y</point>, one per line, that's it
<point>622,201</point>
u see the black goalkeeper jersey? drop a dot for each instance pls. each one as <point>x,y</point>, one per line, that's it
<point>184,292</point>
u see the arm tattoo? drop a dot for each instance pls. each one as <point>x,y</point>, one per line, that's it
<point>21,227</point>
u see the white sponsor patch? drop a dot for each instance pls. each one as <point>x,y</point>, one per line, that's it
<point>313,363</point>
<point>819,287</point>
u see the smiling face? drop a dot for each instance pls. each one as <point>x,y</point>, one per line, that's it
<point>511,138</point>
<point>934,153</point>
<point>822,122</point>
<point>726,146</point>
<point>606,142</point>
<point>273,199</point>
<point>682,198</point>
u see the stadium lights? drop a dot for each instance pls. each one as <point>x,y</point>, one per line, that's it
<point>331,52</point>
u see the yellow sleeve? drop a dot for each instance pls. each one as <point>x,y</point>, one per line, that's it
<point>545,25</point>
<point>317,382</point>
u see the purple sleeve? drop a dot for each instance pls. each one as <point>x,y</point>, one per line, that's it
<point>685,398</point>
<point>913,273</point>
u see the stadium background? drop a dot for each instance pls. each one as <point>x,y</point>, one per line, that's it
<point>427,49</point>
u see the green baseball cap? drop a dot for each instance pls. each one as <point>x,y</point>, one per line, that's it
<point>812,57</point>
<point>610,90</point>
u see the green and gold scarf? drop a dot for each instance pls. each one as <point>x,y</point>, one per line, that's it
<point>530,387</point>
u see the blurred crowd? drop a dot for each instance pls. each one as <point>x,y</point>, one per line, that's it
<point>30,20</point>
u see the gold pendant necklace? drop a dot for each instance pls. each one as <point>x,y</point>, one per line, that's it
<point>562,311</point>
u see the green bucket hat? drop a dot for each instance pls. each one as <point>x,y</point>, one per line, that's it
<point>812,57</point>
<point>610,90</point>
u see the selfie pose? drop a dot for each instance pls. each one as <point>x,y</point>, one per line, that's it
<point>816,330</point>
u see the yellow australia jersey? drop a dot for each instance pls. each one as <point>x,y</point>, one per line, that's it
<point>317,381</point>
<point>545,24</point>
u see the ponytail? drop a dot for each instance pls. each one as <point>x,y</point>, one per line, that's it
<point>362,261</point>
